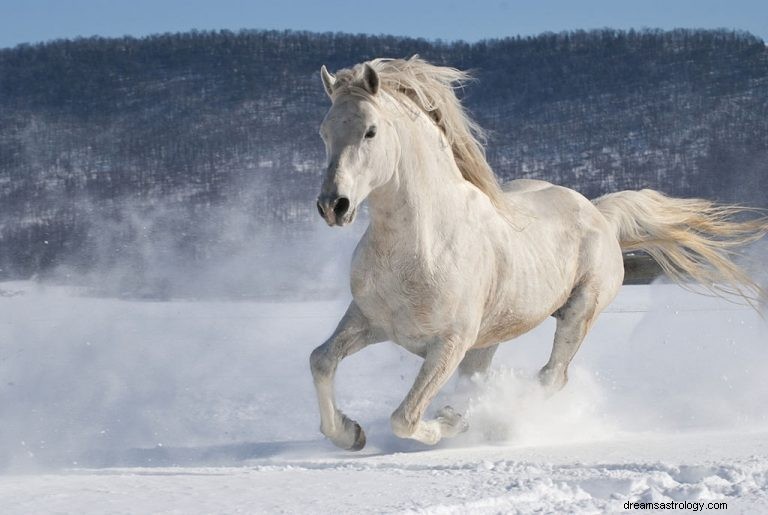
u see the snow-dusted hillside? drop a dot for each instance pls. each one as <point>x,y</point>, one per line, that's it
<point>111,149</point>
<point>207,407</point>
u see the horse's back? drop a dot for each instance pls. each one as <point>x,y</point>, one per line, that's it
<point>544,201</point>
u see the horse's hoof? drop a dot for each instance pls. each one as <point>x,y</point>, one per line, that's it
<point>451,421</point>
<point>348,436</point>
<point>359,442</point>
<point>552,381</point>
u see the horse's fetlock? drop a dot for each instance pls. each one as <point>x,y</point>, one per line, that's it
<point>554,378</point>
<point>401,426</point>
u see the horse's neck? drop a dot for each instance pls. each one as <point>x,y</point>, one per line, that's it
<point>425,191</point>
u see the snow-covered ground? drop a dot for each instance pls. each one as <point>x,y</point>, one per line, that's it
<point>114,406</point>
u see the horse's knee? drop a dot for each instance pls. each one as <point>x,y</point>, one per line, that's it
<point>320,363</point>
<point>401,427</point>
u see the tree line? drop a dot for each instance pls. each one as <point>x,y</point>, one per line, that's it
<point>176,133</point>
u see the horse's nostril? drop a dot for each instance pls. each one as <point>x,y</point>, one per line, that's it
<point>320,209</point>
<point>341,207</point>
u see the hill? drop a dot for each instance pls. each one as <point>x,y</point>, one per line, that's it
<point>183,147</point>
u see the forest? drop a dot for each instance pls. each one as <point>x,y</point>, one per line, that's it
<point>174,150</point>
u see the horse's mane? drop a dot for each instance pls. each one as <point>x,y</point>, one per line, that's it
<point>431,88</point>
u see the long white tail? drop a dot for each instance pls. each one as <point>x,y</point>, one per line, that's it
<point>689,238</point>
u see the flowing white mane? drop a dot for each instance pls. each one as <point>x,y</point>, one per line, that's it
<point>431,88</point>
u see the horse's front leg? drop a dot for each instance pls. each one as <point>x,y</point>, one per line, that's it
<point>352,334</point>
<point>439,364</point>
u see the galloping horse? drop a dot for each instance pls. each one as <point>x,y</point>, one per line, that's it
<point>452,264</point>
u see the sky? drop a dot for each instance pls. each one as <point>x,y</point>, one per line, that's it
<point>30,21</point>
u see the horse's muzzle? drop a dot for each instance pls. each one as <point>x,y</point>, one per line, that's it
<point>335,209</point>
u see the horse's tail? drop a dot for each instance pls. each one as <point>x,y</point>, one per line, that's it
<point>689,238</point>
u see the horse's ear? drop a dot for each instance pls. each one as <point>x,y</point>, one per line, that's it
<point>328,80</point>
<point>370,79</point>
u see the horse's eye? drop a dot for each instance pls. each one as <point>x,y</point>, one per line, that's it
<point>371,132</point>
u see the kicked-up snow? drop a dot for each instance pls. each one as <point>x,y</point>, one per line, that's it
<point>115,406</point>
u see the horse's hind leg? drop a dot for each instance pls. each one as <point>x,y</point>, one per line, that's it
<point>574,319</point>
<point>352,334</point>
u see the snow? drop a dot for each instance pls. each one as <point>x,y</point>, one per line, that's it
<point>119,406</point>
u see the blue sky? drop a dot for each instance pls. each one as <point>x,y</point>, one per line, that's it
<point>40,20</point>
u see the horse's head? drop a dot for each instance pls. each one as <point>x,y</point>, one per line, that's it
<point>360,143</point>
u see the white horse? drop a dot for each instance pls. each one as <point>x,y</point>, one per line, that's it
<point>451,265</point>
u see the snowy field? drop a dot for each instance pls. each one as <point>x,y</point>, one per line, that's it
<point>114,406</point>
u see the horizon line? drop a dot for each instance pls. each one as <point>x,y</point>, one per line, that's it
<point>243,30</point>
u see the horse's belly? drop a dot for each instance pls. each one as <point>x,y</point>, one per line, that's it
<point>503,327</point>
<point>413,317</point>
<point>521,308</point>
